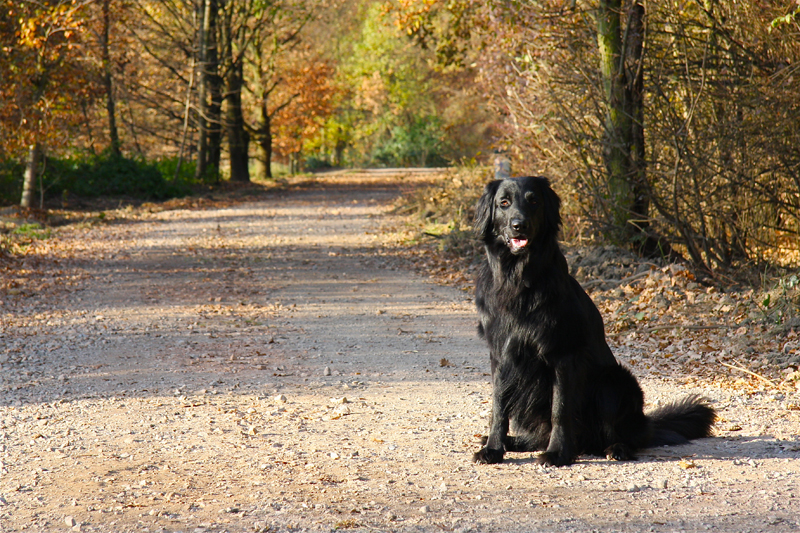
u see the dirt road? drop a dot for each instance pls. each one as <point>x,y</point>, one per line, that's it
<point>272,366</point>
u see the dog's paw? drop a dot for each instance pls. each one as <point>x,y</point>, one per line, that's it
<point>487,456</point>
<point>619,452</point>
<point>554,459</point>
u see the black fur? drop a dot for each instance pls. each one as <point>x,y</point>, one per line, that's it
<point>556,383</point>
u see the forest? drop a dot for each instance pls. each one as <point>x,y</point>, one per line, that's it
<point>671,126</point>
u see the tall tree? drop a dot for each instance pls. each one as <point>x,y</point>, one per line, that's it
<point>238,135</point>
<point>214,85</point>
<point>208,67</point>
<point>622,70</point>
<point>234,39</point>
<point>107,77</point>
<point>44,76</point>
<point>273,91</point>
<point>307,93</point>
<point>253,34</point>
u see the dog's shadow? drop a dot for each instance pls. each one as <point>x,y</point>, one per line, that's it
<point>729,448</point>
<point>722,448</point>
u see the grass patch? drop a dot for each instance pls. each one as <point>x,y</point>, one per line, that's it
<point>16,240</point>
<point>32,231</point>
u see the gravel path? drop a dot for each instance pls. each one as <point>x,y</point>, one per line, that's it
<point>273,366</point>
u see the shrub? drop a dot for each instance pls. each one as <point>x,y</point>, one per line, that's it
<point>416,144</point>
<point>102,175</point>
<point>107,175</point>
<point>10,182</point>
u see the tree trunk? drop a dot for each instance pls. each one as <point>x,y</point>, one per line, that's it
<point>264,136</point>
<point>202,90</point>
<point>339,151</point>
<point>108,85</point>
<point>187,109</point>
<point>617,123</point>
<point>264,160</point>
<point>238,137</point>
<point>621,67</point>
<point>214,86</point>
<point>634,103</point>
<point>29,183</point>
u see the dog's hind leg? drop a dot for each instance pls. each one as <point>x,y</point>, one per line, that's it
<point>514,443</point>
<point>518,444</point>
<point>620,452</point>
<point>620,406</point>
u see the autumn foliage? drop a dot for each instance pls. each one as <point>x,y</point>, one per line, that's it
<point>309,91</point>
<point>671,128</point>
<point>45,80</point>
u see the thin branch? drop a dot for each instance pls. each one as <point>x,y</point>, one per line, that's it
<point>740,369</point>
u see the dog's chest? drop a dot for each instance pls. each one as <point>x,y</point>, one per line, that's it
<point>527,315</point>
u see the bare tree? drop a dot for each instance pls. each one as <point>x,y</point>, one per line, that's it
<point>252,35</point>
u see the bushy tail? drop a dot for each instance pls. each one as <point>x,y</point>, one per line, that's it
<point>681,421</point>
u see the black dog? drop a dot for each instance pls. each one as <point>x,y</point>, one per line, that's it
<point>554,378</point>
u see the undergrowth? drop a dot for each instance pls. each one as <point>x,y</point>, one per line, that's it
<point>103,175</point>
<point>441,214</point>
<point>779,301</point>
<point>15,240</point>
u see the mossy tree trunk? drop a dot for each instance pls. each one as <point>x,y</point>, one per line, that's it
<point>621,57</point>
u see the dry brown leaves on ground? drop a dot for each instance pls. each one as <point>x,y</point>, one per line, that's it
<point>661,317</point>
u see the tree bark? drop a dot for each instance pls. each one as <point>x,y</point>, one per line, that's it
<point>624,144</point>
<point>214,87</point>
<point>634,103</point>
<point>207,26</point>
<point>238,137</point>
<point>108,84</point>
<point>263,134</point>
<point>29,183</point>
<point>187,109</point>
<point>264,159</point>
<point>609,41</point>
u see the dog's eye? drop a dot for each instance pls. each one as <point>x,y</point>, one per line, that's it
<point>505,202</point>
<point>530,197</point>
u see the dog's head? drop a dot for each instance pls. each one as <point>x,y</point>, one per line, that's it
<point>517,213</point>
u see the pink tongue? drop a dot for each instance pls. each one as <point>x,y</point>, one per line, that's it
<point>519,243</point>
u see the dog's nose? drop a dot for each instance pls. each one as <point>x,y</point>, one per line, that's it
<point>517,224</point>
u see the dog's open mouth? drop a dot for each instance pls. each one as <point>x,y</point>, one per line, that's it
<point>517,244</point>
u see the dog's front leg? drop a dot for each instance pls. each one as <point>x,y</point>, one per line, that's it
<point>494,449</point>
<point>560,449</point>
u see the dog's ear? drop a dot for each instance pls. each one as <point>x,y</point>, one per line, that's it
<point>552,206</point>
<point>484,212</point>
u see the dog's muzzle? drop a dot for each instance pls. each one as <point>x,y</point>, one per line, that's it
<point>519,241</point>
